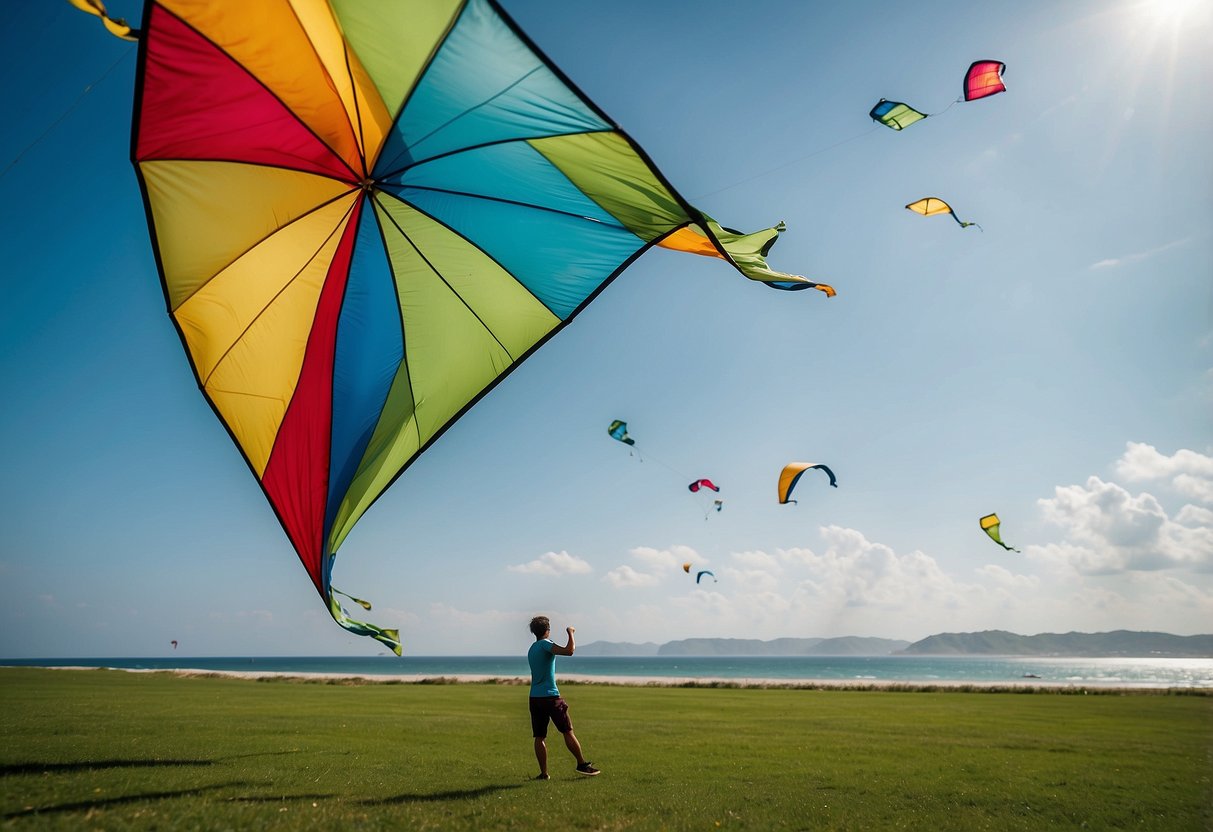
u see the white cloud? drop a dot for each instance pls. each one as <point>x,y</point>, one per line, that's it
<point>1004,577</point>
<point>655,564</point>
<point>625,577</point>
<point>553,563</point>
<point>1137,257</point>
<point>1110,530</point>
<point>1194,516</point>
<point>665,560</point>
<point>758,560</point>
<point>857,572</point>
<point>1198,488</point>
<point>850,586</point>
<point>1145,462</point>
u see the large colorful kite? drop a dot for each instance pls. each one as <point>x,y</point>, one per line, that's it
<point>365,215</point>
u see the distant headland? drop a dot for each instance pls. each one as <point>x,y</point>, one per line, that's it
<point>1119,643</point>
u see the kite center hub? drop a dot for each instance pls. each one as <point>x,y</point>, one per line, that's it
<point>367,185</point>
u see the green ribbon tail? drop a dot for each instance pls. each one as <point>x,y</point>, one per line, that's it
<point>366,605</point>
<point>391,638</point>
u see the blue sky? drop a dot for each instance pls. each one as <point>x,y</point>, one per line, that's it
<point>1054,368</point>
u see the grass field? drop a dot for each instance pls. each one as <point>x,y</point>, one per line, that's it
<point>102,749</point>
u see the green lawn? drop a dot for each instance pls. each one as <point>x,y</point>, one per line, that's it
<point>115,750</point>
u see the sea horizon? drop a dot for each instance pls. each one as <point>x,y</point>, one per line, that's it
<point>1134,672</point>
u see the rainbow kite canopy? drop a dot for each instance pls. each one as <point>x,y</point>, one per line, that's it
<point>365,215</point>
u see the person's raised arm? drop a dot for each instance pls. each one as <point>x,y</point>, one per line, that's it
<point>568,649</point>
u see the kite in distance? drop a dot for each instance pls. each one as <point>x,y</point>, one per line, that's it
<point>619,430</point>
<point>699,577</point>
<point>116,25</point>
<point>989,525</point>
<point>933,206</point>
<point>698,484</point>
<point>895,115</point>
<point>984,79</point>
<point>174,643</point>
<point>790,475</point>
<point>686,567</point>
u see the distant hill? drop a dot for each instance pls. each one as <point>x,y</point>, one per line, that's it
<point>617,648</point>
<point>1126,643</point>
<point>844,646</point>
<point>1116,643</point>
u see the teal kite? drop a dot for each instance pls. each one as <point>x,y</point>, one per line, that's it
<point>619,430</point>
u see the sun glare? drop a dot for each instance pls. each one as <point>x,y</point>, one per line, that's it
<point>1170,11</point>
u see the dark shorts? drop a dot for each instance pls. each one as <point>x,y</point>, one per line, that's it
<point>554,708</point>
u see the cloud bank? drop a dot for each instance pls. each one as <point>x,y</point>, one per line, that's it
<point>553,563</point>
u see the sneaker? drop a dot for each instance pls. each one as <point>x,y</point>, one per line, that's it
<point>587,769</point>
<point>542,777</point>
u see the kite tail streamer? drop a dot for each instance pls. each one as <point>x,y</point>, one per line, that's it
<point>964,224</point>
<point>366,605</point>
<point>381,634</point>
<point>116,26</point>
<point>747,252</point>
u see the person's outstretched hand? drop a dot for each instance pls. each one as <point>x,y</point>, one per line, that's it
<point>570,630</point>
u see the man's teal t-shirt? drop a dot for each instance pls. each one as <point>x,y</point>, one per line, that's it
<point>543,668</point>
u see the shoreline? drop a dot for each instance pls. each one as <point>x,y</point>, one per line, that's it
<point>905,685</point>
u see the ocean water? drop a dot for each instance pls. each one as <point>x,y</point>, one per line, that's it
<point>1105,672</point>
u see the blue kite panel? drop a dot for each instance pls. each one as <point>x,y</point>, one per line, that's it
<point>560,259</point>
<point>370,347</point>
<point>484,85</point>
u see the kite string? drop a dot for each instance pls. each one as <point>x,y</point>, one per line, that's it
<point>788,163</point>
<point>945,109</point>
<point>67,112</point>
<point>708,507</point>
